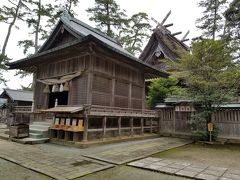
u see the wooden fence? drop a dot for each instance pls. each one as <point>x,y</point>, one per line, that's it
<point>177,122</point>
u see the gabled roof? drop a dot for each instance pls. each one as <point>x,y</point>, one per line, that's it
<point>162,41</point>
<point>18,95</point>
<point>83,33</point>
<point>80,29</point>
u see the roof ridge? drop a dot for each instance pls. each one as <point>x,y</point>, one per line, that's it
<point>93,29</point>
<point>28,91</point>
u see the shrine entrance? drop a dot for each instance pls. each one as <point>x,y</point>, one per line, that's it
<point>62,98</point>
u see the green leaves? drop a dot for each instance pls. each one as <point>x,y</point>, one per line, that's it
<point>212,21</point>
<point>112,20</point>
<point>213,77</point>
<point>161,88</point>
<point>108,16</point>
<point>135,33</point>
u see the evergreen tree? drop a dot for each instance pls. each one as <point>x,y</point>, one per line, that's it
<point>212,21</point>
<point>133,35</point>
<point>108,16</point>
<point>161,88</point>
<point>211,77</point>
<point>9,15</point>
<point>232,34</point>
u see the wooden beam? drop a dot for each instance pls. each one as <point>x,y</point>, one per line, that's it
<point>184,37</point>
<point>177,33</point>
<point>166,17</point>
<point>168,25</point>
<point>184,40</point>
<point>119,126</point>
<point>85,132</point>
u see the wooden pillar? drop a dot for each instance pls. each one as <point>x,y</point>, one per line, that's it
<point>131,125</point>
<point>85,133</point>
<point>67,135</point>
<point>76,136</point>
<point>104,126</point>
<point>142,128</point>
<point>174,120</point>
<point>159,125</point>
<point>151,125</point>
<point>119,126</point>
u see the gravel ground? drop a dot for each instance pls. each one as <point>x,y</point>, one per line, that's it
<point>216,155</point>
<point>129,173</point>
<point>11,171</point>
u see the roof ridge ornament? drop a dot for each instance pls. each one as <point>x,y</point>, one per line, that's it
<point>66,14</point>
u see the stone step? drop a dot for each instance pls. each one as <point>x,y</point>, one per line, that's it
<point>42,132</point>
<point>35,135</point>
<point>30,140</point>
<point>38,126</point>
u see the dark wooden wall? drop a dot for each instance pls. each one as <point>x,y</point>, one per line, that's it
<point>107,79</point>
<point>55,69</point>
<point>116,84</point>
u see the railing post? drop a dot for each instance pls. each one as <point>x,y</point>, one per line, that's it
<point>119,125</point>
<point>142,128</point>
<point>151,125</point>
<point>131,125</point>
<point>104,126</point>
<point>85,133</point>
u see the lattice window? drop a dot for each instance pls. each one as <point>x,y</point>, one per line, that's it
<point>103,66</point>
<point>122,72</point>
<point>136,104</point>
<point>136,92</point>
<point>101,84</point>
<point>101,99</point>
<point>121,102</point>
<point>121,89</point>
<point>79,90</point>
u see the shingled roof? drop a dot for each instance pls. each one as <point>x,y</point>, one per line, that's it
<point>162,45</point>
<point>82,33</point>
<point>18,95</point>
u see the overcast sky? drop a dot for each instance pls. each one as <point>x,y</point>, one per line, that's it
<point>184,15</point>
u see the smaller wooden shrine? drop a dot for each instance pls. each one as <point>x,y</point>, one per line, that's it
<point>92,86</point>
<point>163,45</point>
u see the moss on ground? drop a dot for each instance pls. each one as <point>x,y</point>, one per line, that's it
<point>216,155</point>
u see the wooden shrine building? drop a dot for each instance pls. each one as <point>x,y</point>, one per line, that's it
<point>163,45</point>
<point>91,85</point>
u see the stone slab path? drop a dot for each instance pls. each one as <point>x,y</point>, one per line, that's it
<point>129,151</point>
<point>50,163</point>
<point>185,169</point>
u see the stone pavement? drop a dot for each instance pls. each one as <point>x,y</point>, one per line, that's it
<point>50,163</point>
<point>62,162</point>
<point>126,152</point>
<point>185,169</point>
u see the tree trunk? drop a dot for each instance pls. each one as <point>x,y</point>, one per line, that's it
<point>215,19</point>
<point>37,26</point>
<point>10,27</point>
<point>108,23</point>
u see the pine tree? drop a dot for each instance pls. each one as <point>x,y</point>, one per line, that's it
<point>133,35</point>
<point>108,16</point>
<point>232,30</point>
<point>9,14</point>
<point>212,21</point>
